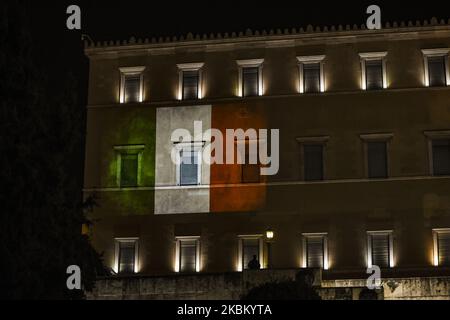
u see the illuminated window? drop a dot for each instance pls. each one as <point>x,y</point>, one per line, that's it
<point>132,84</point>
<point>436,67</point>
<point>439,146</point>
<point>250,78</point>
<point>441,239</point>
<point>189,167</point>
<point>126,255</point>
<point>373,67</point>
<point>311,74</point>
<point>129,162</point>
<point>190,82</point>
<point>251,252</point>
<point>188,254</point>
<point>250,81</point>
<point>376,153</point>
<point>380,249</point>
<point>313,158</point>
<point>315,251</point>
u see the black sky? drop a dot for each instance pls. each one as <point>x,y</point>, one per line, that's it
<point>60,49</point>
<point>121,19</point>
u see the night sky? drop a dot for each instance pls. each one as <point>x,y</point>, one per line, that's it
<point>60,50</point>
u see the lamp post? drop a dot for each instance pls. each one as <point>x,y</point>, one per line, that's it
<point>270,235</point>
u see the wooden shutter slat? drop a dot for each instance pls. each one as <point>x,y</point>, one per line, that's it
<point>315,252</point>
<point>311,77</point>
<point>190,85</point>
<point>441,157</point>
<point>313,162</point>
<point>132,88</point>
<point>380,250</point>
<point>444,249</point>
<point>436,71</point>
<point>250,81</point>
<point>374,74</point>
<point>377,159</point>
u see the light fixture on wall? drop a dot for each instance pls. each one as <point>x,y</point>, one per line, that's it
<point>270,235</point>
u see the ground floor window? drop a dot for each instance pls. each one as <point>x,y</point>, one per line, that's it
<point>126,255</point>
<point>315,250</point>
<point>441,247</point>
<point>188,254</point>
<point>250,252</point>
<point>380,249</point>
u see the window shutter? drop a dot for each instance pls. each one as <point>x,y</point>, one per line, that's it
<point>251,173</point>
<point>188,256</point>
<point>250,81</point>
<point>127,257</point>
<point>132,88</point>
<point>374,74</point>
<point>380,250</point>
<point>444,248</point>
<point>377,159</point>
<point>129,170</point>
<point>189,168</point>
<point>311,77</point>
<point>436,71</point>
<point>190,85</point>
<point>313,162</point>
<point>250,248</point>
<point>441,157</point>
<point>315,252</point>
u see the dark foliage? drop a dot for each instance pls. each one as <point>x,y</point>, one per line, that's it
<point>41,156</point>
<point>300,289</point>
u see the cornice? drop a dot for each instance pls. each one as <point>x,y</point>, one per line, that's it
<point>271,38</point>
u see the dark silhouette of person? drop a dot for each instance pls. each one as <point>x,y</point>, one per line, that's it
<point>254,264</point>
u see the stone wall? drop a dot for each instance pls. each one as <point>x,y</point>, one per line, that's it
<point>232,286</point>
<point>433,288</point>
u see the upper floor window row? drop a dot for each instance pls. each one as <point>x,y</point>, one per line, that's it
<point>311,76</point>
<point>376,153</point>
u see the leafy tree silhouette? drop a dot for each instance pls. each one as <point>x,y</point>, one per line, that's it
<point>300,289</point>
<point>41,156</point>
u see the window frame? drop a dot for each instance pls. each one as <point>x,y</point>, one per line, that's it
<point>324,236</point>
<point>186,67</point>
<point>377,137</point>
<point>241,239</point>
<point>131,71</point>
<point>441,52</point>
<point>196,147</point>
<point>249,145</point>
<point>305,141</point>
<point>390,234</point>
<point>431,137</point>
<point>373,56</point>
<point>252,63</point>
<point>178,242</point>
<point>436,232</point>
<point>133,149</point>
<point>117,242</point>
<point>302,61</point>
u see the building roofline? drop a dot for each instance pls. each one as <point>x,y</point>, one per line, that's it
<point>311,32</point>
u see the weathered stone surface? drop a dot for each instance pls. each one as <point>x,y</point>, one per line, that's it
<point>232,286</point>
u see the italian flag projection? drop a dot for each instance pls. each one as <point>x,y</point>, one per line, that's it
<point>209,187</point>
